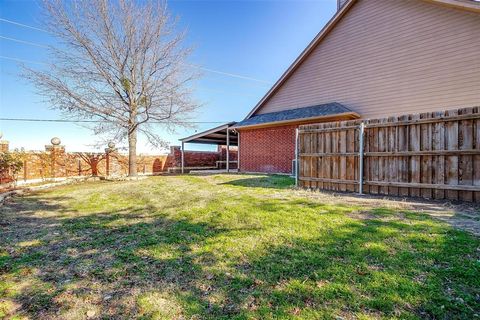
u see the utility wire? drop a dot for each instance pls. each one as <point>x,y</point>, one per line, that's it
<point>24,42</point>
<point>21,60</point>
<point>229,74</point>
<point>191,65</point>
<point>23,25</point>
<point>239,76</point>
<point>201,88</point>
<point>97,121</point>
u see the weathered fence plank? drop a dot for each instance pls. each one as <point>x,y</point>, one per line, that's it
<point>430,155</point>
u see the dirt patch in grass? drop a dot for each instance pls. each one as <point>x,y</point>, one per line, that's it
<point>232,247</point>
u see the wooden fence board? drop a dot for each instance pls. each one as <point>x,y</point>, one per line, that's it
<point>465,166</point>
<point>476,158</point>
<point>451,166</point>
<point>430,155</point>
<point>414,170</point>
<point>350,160</point>
<point>392,160</point>
<point>403,143</point>
<point>438,143</point>
<point>426,160</point>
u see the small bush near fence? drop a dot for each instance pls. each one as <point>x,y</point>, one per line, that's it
<point>10,165</point>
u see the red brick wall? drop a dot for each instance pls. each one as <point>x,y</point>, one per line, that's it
<point>269,150</point>
<point>201,158</point>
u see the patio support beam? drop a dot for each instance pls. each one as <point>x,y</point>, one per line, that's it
<point>183,156</point>
<point>228,150</point>
<point>238,151</point>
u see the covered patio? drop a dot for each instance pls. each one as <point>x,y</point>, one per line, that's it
<point>223,135</point>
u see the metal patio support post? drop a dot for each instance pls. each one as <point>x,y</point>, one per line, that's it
<point>296,157</point>
<point>183,156</point>
<point>238,151</point>
<point>360,158</point>
<point>228,150</point>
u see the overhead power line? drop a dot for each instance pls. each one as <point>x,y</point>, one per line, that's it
<point>202,88</point>
<point>24,42</point>
<point>23,25</point>
<point>97,121</point>
<point>21,60</point>
<point>234,75</point>
<point>229,74</point>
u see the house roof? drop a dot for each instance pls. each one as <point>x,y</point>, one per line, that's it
<point>468,5</point>
<point>217,135</point>
<point>313,112</point>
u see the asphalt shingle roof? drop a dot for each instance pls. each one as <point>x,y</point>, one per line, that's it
<point>293,114</point>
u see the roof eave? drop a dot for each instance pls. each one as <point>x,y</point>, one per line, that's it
<point>345,116</point>
<point>213,130</point>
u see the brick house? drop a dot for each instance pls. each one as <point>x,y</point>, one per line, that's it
<point>373,59</point>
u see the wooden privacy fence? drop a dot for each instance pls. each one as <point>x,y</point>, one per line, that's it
<point>430,155</point>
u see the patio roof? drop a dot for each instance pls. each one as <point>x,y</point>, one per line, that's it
<point>318,112</point>
<point>217,136</point>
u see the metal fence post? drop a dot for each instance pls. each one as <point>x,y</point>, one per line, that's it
<point>360,158</point>
<point>296,157</point>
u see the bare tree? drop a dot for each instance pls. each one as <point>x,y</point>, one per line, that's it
<point>121,63</point>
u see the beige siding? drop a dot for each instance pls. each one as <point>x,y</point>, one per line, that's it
<point>390,57</point>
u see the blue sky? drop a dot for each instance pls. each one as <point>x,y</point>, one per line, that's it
<point>256,39</point>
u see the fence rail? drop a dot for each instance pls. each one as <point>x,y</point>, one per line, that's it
<point>430,155</point>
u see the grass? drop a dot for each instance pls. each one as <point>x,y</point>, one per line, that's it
<point>229,247</point>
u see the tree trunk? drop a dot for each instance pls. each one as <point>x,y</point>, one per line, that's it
<point>132,153</point>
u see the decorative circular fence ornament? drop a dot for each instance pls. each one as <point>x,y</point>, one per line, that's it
<point>56,141</point>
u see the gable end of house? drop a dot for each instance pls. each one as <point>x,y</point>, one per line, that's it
<point>388,55</point>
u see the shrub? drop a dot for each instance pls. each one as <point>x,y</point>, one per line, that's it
<point>10,165</point>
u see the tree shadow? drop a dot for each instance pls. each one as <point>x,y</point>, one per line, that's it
<point>97,254</point>
<point>381,265</point>
<point>272,181</point>
<point>367,268</point>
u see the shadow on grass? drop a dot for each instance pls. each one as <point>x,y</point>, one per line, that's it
<point>405,268</point>
<point>374,268</point>
<point>273,181</point>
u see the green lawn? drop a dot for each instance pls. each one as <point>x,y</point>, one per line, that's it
<point>229,247</point>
